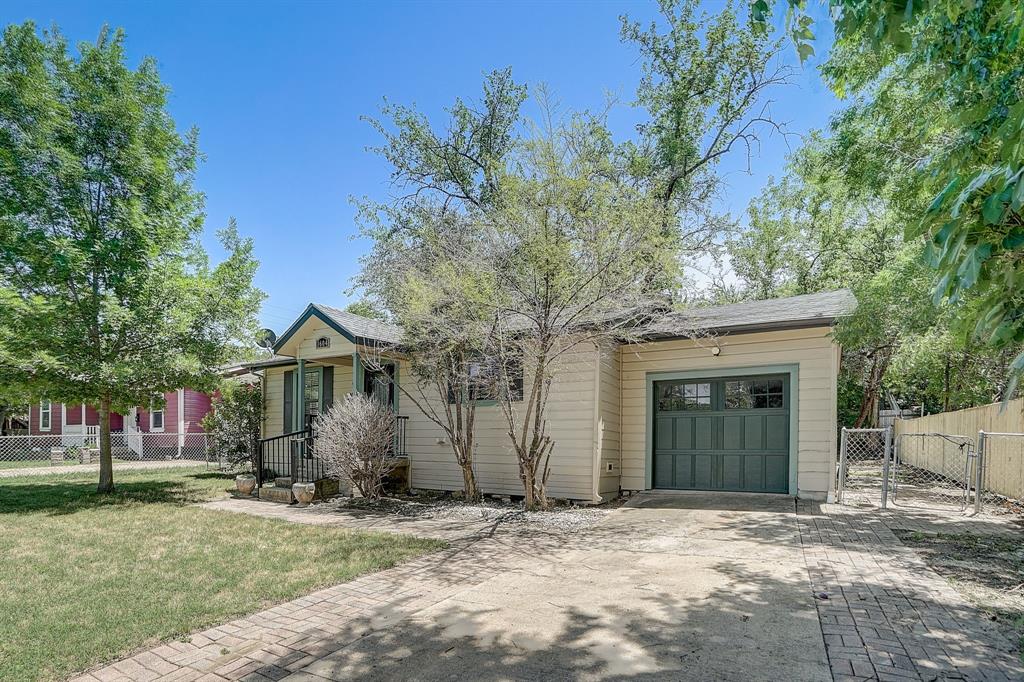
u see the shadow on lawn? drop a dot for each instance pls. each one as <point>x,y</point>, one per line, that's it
<point>60,496</point>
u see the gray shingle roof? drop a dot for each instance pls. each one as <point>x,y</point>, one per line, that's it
<point>363,327</point>
<point>775,313</point>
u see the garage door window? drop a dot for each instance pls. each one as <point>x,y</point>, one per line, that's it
<point>754,394</point>
<point>677,397</point>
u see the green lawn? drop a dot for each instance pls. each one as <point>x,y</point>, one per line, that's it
<point>87,577</point>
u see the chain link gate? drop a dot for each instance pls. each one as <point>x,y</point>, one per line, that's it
<point>864,457</point>
<point>933,470</point>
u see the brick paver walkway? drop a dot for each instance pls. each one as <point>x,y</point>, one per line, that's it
<point>884,614</point>
<point>118,466</point>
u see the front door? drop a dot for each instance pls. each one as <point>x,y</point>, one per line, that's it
<point>381,384</point>
<point>726,433</point>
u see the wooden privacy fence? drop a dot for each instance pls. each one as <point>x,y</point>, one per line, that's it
<point>1004,455</point>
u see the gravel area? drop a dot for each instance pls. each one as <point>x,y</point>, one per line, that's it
<point>562,518</point>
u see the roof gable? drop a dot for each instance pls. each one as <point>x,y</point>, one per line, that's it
<point>356,329</point>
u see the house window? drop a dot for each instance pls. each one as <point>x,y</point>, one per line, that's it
<point>754,394</point>
<point>323,342</point>
<point>156,420</point>
<point>45,415</point>
<point>486,380</point>
<point>682,396</point>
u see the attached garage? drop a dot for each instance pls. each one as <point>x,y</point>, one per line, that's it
<point>737,398</point>
<point>722,433</point>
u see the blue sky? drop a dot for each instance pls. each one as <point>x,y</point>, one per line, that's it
<point>277,91</point>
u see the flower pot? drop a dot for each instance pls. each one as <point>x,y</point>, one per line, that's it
<point>56,456</point>
<point>89,455</point>
<point>303,493</point>
<point>245,483</point>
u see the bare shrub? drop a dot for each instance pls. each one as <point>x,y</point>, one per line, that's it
<point>355,440</point>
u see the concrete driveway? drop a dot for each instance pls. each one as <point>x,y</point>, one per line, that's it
<point>673,587</point>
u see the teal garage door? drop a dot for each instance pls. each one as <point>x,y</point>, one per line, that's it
<point>729,433</point>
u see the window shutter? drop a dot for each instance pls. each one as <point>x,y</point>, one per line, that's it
<point>287,425</point>
<point>327,390</point>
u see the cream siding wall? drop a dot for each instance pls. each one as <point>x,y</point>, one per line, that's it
<point>302,345</point>
<point>570,423</point>
<point>608,423</point>
<point>811,349</point>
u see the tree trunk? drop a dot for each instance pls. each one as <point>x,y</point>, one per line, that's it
<point>528,501</point>
<point>106,484</point>
<point>469,489</point>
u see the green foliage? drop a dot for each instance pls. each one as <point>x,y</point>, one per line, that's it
<point>234,423</point>
<point>106,295</point>
<point>968,58</point>
<point>704,81</point>
<point>365,308</point>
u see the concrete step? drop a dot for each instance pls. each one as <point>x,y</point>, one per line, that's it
<point>276,494</point>
<point>283,482</point>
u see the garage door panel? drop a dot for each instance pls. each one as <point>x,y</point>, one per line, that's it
<point>663,471</point>
<point>776,473</point>
<point>732,472</point>
<point>753,472</point>
<point>684,433</point>
<point>723,434</point>
<point>703,428</point>
<point>777,432</point>
<point>703,470</point>
<point>753,432</point>
<point>663,428</point>
<point>732,432</point>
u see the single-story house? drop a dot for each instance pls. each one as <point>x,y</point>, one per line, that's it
<point>749,404</point>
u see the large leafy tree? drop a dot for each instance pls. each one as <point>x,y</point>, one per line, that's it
<point>968,59</point>
<point>106,294</point>
<point>706,87</point>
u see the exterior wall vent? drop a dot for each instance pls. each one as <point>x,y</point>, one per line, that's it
<point>323,342</point>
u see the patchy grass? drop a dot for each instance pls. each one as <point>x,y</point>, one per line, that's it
<point>987,569</point>
<point>89,577</point>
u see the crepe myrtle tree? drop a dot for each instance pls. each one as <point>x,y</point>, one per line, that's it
<point>422,267</point>
<point>355,440</point>
<point>106,294</point>
<point>544,248</point>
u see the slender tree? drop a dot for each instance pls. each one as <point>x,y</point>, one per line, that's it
<point>106,295</point>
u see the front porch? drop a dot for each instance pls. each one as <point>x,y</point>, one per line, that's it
<point>282,461</point>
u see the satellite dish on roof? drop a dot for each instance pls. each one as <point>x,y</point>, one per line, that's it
<point>266,338</point>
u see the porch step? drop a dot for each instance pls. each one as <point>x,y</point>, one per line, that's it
<point>276,494</point>
<point>283,482</point>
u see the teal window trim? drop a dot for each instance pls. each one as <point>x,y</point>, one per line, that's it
<point>793,370</point>
<point>298,399</point>
<point>357,374</point>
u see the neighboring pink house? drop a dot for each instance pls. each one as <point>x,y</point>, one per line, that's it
<point>181,413</point>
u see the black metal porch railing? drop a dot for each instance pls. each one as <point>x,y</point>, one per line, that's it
<point>289,455</point>
<point>400,450</point>
<point>292,455</point>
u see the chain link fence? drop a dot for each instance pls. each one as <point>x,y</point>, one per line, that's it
<point>932,469</point>
<point>1001,475</point>
<point>863,465</point>
<point>63,449</point>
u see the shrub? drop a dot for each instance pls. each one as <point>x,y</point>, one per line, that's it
<point>355,440</point>
<point>233,424</point>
